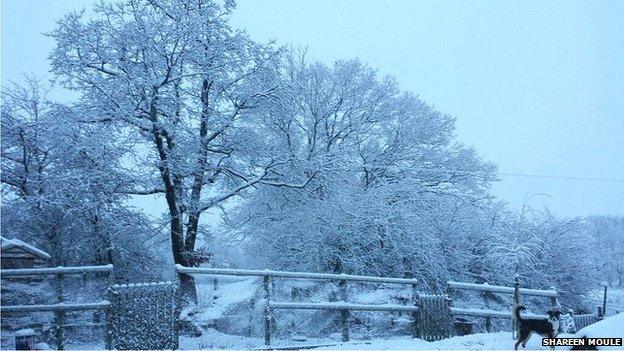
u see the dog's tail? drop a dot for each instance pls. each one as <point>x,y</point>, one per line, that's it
<point>517,310</point>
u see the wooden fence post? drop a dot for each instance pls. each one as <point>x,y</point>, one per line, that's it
<point>344,313</point>
<point>108,337</point>
<point>58,314</point>
<point>553,299</point>
<point>415,313</point>
<point>215,285</point>
<point>600,312</point>
<point>108,334</point>
<point>179,301</point>
<point>267,310</point>
<point>451,327</point>
<point>450,305</point>
<point>488,319</point>
<point>604,302</point>
<point>516,300</point>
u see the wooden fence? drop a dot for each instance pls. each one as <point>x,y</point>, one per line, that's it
<point>344,307</point>
<point>515,291</point>
<point>60,307</point>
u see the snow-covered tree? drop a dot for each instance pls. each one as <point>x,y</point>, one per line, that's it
<point>389,166</point>
<point>193,93</point>
<point>608,235</point>
<point>546,252</point>
<point>60,179</point>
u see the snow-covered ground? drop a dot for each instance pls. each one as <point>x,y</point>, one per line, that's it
<point>610,327</point>
<point>484,341</point>
<point>214,304</point>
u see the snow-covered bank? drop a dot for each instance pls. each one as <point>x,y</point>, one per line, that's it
<point>610,327</point>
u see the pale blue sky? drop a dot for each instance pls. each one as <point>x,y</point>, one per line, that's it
<point>537,87</point>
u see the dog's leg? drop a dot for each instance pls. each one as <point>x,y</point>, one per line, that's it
<point>552,336</point>
<point>522,338</point>
<point>526,339</point>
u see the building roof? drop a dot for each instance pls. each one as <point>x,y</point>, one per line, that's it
<point>11,243</point>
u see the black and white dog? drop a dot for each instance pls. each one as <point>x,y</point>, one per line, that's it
<point>547,328</point>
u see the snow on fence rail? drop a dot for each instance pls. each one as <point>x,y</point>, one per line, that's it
<point>340,306</point>
<point>344,307</point>
<point>501,289</point>
<point>60,308</point>
<point>480,312</point>
<point>68,307</point>
<point>56,270</point>
<point>294,275</point>
<point>516,291</point>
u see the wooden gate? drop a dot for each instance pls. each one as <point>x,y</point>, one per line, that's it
<point>143,316</point>
<point>434,317</point>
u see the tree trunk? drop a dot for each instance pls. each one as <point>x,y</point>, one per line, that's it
<point>198,179</point>
<point>163,146</point>
<point>187,282</point>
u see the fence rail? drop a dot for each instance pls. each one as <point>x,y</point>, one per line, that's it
<point>501,289</point>
<point>68,307</point>
<point>294,275</point>
<point>480,313</point>
<point>56,270</point>
<point>343,306</point>
<point>491,313</point>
